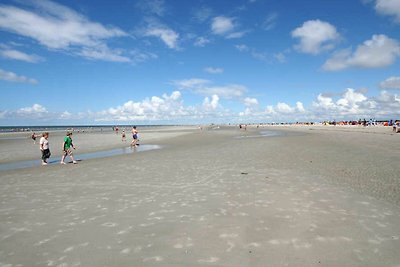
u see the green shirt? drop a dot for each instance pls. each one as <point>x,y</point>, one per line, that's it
<point>67,142</point>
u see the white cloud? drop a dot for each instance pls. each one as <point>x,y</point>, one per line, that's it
<point>201,41</point>
<point>226,26</point>
<point>284,108</point>
<point>139,56</point>
<point>248,101</point>
<point>352,104</point>
<point>300,107</point>
<point>58,27</point>
<point>315,36</point>
<point>13,77</point>
<point>18,55</point>
<point>236,35</point>
<point>222,25</point>
<point>154,108</point>
<point>390,83</point>
<point>168,36</point>
<point>211,104</point>
<point>191,83</point>
<point>205,87</point>
<point>214,70</point>
<point>66,115</point>
<point>380,51</point>
<point>102,52</point>
<point>388,7</point>
<point>324,102</point>
<point>35,109</point>
<point>165,108</point>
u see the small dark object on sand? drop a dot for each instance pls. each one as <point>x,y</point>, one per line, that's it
<point>244,173</point>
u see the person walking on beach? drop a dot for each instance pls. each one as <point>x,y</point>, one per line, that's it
<point>44,147</point>
<point>66,148</point>
<point>33,136</point>
<point>134,136</point>
<point>123,136</point>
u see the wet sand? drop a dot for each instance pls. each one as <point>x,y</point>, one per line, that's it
<point>314,196</point>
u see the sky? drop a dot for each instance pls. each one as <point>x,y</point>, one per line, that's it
<point>193,62</point>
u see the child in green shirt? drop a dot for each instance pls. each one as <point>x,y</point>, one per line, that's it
<point>66,148</point>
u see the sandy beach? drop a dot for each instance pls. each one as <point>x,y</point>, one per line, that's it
<point>296,196</point>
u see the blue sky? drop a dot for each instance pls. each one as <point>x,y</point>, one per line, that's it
<point>150,62</point>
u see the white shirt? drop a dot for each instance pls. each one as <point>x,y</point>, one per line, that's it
<point>44,143</point>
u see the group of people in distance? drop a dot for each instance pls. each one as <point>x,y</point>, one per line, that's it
<point>67,147</point>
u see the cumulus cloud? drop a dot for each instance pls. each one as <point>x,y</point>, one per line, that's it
<point>226,26</point>
<point>153,108</point>
<point>388,7</point>
<point>214,70</point>
<point>13,77</point>
<point>222,25</point>
<point>390,83</point>
<point>211,104</point>
<point>58,27</point>
<point>380,51</point>
<point>351,103</point>
<point>300,107</point>
<point>36,108</point>
<point>315,36</point>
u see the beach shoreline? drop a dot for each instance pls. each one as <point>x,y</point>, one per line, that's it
<point>207,198</point>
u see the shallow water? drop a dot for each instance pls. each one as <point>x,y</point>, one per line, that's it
<point>264,133</point>
<point>78,157</point>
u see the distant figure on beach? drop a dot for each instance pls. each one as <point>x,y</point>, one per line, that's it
<point>396,127</point>
<point>66,148</point>
<point>134,136</point>
<point>44,147</point>
<point>123,136</point>
<point>116,129</point>
<point>33,136</point>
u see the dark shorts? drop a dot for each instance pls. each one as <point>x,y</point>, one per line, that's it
<point>134,136</point>
<point>46,154</point>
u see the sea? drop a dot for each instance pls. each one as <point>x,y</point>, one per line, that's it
<point>82,128</point>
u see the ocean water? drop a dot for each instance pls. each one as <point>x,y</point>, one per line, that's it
<point>264,133</point>
<point>85,128</point>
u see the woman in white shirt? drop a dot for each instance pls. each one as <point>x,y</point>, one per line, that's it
<point>44,147</point>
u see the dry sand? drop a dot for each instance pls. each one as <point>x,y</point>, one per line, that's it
<point>316,196</point>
